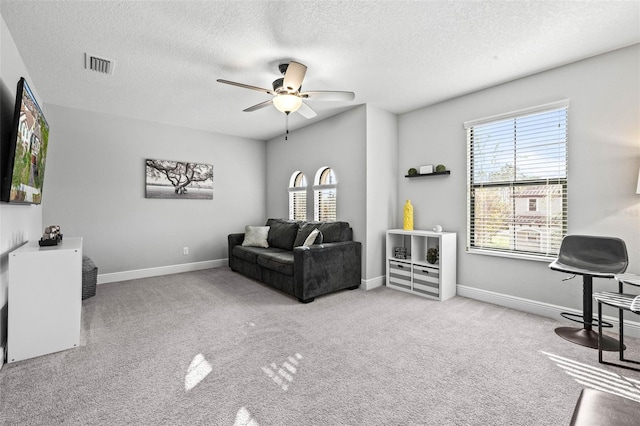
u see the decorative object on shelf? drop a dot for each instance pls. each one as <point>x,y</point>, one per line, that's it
<point>408,216</point>
<point>417,175</point>
<point>400,252</point>
<point>437,228</point>
<point>425,170</point>
<point>440,168</point>
<point>433,255</point>
<point>412,172</point>
<point>51,236</point>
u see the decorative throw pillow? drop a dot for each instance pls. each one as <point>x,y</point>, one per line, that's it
<point>256,236</point>
<point>315,237</point>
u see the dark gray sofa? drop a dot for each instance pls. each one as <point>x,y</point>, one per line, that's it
<point>302,272</point>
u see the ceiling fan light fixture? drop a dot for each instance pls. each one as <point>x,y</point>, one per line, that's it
<point>287,103</point>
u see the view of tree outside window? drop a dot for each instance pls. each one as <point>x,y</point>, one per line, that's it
<point>517,175</point>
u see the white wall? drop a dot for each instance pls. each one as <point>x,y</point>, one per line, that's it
<point>604,158</point>
<point>18,223</point>
<point>95,188</point>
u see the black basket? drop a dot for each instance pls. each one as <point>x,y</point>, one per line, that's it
<point>89,277</point>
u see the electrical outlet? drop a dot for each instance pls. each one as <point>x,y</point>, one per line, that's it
<point>185,250</point>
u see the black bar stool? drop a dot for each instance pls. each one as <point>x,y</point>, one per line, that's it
<point>589,256</point>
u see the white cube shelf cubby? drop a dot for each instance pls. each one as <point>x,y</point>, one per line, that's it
<point>407,266</point>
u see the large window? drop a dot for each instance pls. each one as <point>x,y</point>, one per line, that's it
<point>325,192</point>
<point>517,182</point>
<point>298,196</point>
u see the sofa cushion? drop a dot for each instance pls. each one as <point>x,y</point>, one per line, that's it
<point>255,236</point>
<point>282,233</point>
<point>250,254</point>
<point>281,262</point>
<point>333,232</point>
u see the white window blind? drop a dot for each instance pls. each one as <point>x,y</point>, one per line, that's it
<point>325,191</point>
<point>298,196</point>
<point>516,161</point>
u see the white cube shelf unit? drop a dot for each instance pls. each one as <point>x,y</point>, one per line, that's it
<point>413,273</point>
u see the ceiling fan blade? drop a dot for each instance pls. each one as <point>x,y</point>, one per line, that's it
<point>246,86</point>
<point>259,106</point>
<point>306,111</point>
<point>322,95</point>
<point>294,75</point>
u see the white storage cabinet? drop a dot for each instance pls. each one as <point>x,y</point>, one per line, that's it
<point>45,299</point>
<point>414,274</point>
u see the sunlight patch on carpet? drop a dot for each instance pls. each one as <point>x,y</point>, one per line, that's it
<point>244,418</point>
<point>598,378</point>
<point>197,371</point>
<point>283,375</point>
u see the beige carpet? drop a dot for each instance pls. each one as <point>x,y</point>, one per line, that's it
<point>213,348</point>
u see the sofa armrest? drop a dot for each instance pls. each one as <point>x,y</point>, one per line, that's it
<point>324,268</point>
<point>234,240</point>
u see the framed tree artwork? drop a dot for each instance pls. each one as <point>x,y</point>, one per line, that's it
<point>178,179</point>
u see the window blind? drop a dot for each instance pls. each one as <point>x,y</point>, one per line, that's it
<point>298,197</point>
<point>298,205</point>
<point>325,203</point>
<point>516,161</point>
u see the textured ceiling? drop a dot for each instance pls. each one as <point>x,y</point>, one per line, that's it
<point>396,55</point>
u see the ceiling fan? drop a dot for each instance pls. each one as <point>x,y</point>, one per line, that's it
<point>286,93</point>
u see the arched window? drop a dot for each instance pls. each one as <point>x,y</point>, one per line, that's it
<point>325,194</point>
<point>298,196</point>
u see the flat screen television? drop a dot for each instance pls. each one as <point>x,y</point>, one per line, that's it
<point>26,153</point>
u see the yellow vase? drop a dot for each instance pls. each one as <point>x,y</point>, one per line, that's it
<point>408,216</point>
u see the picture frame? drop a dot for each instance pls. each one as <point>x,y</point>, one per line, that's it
<point>168,179</point>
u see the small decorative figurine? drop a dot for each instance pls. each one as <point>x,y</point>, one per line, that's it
<point>51,236</point>
<point>432,255</point>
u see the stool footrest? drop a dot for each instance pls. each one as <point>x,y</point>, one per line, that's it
<point>578,318</point>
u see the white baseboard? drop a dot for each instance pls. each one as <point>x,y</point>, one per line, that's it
<point>631,328</point>
<point>372,283</point>
<point>161,270</point>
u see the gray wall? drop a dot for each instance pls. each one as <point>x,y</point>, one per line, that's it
<point>337,142</point>
<point>361,145</point>
<point>94,188</point>
<point>18,223</point>
<point>604,158</point>
<point>381,189</point>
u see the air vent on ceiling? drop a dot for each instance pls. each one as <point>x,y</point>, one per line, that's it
<point>101,65</point>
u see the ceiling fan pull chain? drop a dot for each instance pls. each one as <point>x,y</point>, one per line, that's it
<point>286,126</point>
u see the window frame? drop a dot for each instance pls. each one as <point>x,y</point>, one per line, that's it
<point>320,188</point>
<point>561,184</point>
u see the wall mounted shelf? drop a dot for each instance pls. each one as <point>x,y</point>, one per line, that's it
<point>446,172</point>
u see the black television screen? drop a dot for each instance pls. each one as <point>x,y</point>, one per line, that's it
<point>23,173</point>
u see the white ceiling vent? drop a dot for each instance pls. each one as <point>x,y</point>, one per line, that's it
<point>101,65</point>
